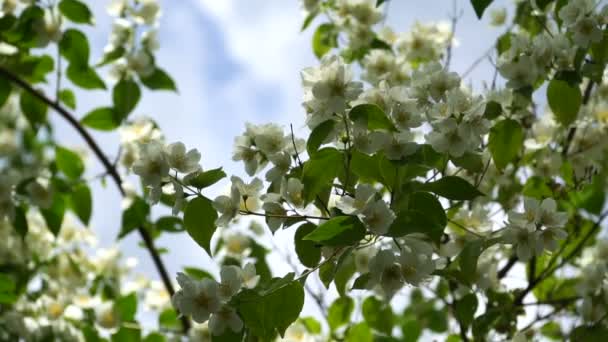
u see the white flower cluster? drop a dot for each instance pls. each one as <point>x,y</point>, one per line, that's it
<point>374,213</point>
<point>127,53</point>
<point>583,22</point>
<point>263,143</point>
<point>206,299</point>
<point>70,277</point>
<point>538,228</point>
<point>391,269</point>
<point>593,284</point>
<point>145,152</point>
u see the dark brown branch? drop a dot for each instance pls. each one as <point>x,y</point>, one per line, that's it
<point>510,263</point>
<point>110,169</point>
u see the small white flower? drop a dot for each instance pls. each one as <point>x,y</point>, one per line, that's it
<point>227,206</point>
<point>226,317</point>
<point>548,216</point>
<point>282,163</point>
<point>549,239</point>
<point>198,298</point>
<point>400,146</point>
<point>292,190</point>
<point>523,240</point>
<point>250,278</point>
<point>152,165</point>
<point>449,137</point>
<point>377,216</point>
<point>363,194</point>
<point>231,283</point>
<point>328,89</point>
<point>182,161</point>
<point>148,12</point>
<point>498,16</point>
<point>416,261</point>
<point>586,31</point>
<point>386,271</point>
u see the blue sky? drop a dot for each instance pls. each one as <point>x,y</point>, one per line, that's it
<point>235,61</point>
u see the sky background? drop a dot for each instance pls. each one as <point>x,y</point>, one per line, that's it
<point>236,61</point>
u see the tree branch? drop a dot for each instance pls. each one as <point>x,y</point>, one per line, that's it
<point>110,169</point>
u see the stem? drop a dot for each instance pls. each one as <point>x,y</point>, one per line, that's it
<point>510,263</point>
<point>249,212</point>
<point>111,170</point>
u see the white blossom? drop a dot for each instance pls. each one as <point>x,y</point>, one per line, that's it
<point>197,298</point>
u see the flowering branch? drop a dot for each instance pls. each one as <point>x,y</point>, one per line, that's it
<point>110,169</point>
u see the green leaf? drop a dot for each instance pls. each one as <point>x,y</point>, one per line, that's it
<point>589,333</point>
<point>378,314</point>
<point>207,178</point>
<point>359,332</point>
<point>127,334</point>
<point>271,311</point>
<point>53,216</point>
<point>134,217</point>
<point>33,108</point>
<point>379,2</point>
<point>5,90</point>
<point>505,141</point>
<point>372,116</point>
<point>68,162</point>
<point>361,282</point>
<point>85,77</point>
<point>76,11</point>
<point>564,100</point>
<point>308,252</point>
<point>464,309</point>
<point>7,289</point>
<point>469,161</point>
<point>198,273</point>
<point>102,118</point>
<point>311,324</point>
<point>159,80</point>
<point>318,135</point>
<point>424,214</point>
<point>468,258</point>
<point>111,56</point>
<point>170,224</point>
<point>411,328</point>
<point>324,39</point>
<point>480,6</point>
<point>155,337</point>
<point>339,231</point>
<point>20,222</point>
<point>319,171</point>
<point>552,330</point>
<point>125,96</point>
<point>126,307</point>
<point>453,188</point>
<point>168,319</point>
<point>366,167</point>
<point>309,18</point>
<point>68,98</point>
<point>74,47</point>
<point>339,312</point>
<point>199,219</point>
<point>344,271</point>
<point>81,202</point>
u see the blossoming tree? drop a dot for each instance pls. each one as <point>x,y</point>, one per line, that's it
<point>412,195</point>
